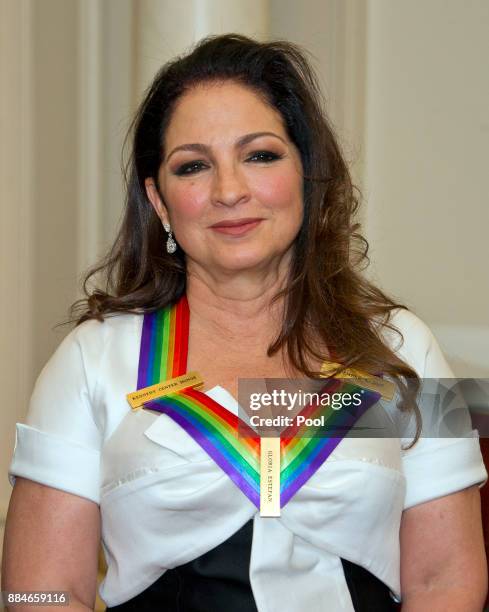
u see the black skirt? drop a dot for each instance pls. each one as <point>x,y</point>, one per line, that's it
<point>218,581</point>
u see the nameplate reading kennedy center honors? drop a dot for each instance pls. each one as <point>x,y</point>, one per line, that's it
<point>138,398</point>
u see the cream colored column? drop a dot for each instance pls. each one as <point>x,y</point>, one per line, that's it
<point>90,131</point>
<point>165,28</point>
<point>105,103</point>
<point>16,203</point>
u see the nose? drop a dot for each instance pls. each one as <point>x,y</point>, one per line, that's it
<point>230,186</point>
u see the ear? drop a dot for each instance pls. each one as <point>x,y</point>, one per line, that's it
<point>156,201</point>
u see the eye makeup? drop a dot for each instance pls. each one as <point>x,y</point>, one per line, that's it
<point>260,156</point>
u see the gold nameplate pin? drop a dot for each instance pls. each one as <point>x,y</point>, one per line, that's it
<point>138,398</point>
<point>374,383</point>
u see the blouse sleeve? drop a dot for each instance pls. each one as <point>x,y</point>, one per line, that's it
<point>436,466</point>
<point>59,443</point>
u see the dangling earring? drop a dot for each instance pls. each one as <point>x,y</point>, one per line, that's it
<point>171,245</point>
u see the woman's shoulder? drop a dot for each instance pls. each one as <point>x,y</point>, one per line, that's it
<point>95,331</point>
<point>411,325</point>
<point>92,342</point>
<point>413,340</point>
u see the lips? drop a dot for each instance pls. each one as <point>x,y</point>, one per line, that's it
<point>236,222</point>
<point>237,227</point>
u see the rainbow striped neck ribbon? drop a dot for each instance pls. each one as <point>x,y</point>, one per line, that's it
<point>163,355</point>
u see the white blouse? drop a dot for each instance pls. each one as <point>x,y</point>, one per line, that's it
<point>164,501</point>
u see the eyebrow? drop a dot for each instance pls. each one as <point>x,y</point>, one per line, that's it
<point>241,142</point>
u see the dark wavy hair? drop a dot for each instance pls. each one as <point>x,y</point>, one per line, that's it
<point>326,291</point>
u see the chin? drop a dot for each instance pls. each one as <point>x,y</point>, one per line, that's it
<point>235,266</point>
<point>243,262</point>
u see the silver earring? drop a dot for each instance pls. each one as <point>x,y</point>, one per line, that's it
<point>171,245</point>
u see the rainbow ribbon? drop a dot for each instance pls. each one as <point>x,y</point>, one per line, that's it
<point>163,355</point>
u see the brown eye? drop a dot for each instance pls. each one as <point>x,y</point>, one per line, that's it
<point>189,168</point>
<point>264,156</point>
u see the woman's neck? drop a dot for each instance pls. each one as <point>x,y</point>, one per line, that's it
<point>236,307</point>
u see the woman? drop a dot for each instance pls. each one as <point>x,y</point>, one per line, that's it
<point>237,258</point>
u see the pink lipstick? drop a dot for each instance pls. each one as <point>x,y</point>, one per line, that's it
<point>236,227</point>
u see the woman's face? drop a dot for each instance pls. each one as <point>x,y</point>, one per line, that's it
<point>220,166</point>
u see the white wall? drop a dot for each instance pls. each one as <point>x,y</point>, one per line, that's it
<point>426,152</point>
